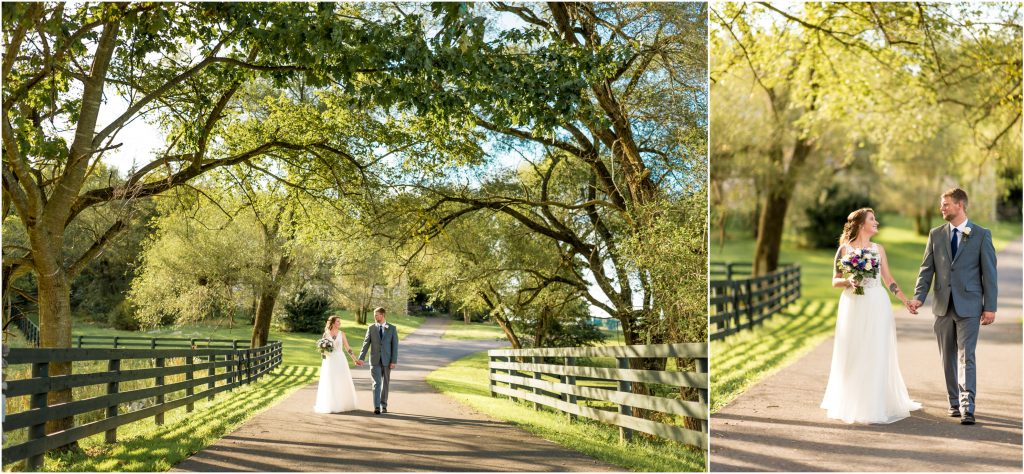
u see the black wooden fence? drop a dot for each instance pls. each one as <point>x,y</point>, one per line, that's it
<point>27,328</point>
<point>231,367</point>
<point>740,301</point>
<point>529,374</point>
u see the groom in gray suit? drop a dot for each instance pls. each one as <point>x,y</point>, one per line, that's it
<point>382,341</point>
<point>961,261</point>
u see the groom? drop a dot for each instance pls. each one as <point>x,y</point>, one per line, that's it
<point>961,260</point>
<point>382,340</point>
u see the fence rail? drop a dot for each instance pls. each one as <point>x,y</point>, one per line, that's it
<point>738,304</point>
<point>231,366</point>
<point>534,375</point>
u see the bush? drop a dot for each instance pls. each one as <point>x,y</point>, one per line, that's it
<point>123,317</point>
<point>826,218</point>
<point>576,332</point>
<point>306,312</point>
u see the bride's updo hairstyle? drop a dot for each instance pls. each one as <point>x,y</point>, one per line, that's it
<point>853,223</point>
<point>330,322</point>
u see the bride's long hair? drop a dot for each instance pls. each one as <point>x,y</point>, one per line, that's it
<point>330,322</point>
<point>854,221</point>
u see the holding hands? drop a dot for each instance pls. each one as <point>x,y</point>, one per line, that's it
<point>913,305</point>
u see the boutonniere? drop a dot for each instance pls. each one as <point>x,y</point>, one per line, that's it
<point>386,326</point>
<point>967,232</point>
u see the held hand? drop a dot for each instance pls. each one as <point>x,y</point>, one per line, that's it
<point>988,317</point>
<point>915,304</point>
<point>359,363</point>
<point>391,365</point>
<point>911,307</point>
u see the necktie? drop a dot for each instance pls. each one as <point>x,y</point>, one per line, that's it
<point>381,328</point>
<point>952,242</point>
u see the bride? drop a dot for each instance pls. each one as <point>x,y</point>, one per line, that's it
<point>336,393</point>
<point>864,383</point>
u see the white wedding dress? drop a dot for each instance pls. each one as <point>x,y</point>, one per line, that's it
<point>865,384</point>
<point>336,393</point>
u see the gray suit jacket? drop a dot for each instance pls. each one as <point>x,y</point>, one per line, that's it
<point>387,348</point>
<point>970,278</point>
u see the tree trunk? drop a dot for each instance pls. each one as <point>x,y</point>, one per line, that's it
<point>510,333</point>
<point>465,316</point>
<point>268,298</point>
<point>769,234</point>
<point>773,215</point>
<point>264,312</point>
<point>55,332</point>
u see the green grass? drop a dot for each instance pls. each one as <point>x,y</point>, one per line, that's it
<point>144,446</point>
<point>459,330</point>
<point>466,381</point>
<point>903,247</point>
<point>299,348</point>
<point>743,359</point>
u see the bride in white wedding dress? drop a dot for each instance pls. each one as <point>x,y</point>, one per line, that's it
<point>336,393</point>
<point>865,384</point>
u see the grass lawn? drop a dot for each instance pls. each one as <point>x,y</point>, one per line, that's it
<point>459,330</point>
<point>741,360</point>
<point>466,381</point>
<point>143,446</point>
<point>902,245</point>
<point>299,348</point>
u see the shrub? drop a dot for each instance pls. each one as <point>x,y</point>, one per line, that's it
<point>306,312</point>
<point>826,218</point>
<point>123,317</point>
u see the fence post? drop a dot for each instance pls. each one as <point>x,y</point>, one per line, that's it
<point>570,380</point>
<point>189,376</point>
<point>625,434</point>
<point>79,341</point>
<point>248,365</point>
<point>233,372</point>
<point>736,315</point>
<point>159,418</point>
<point>113,387</point>
<point>536,376</point>
<point>512,373</point>
<point>38,401</point>
<point>702,393</point>
<point>152,343</point>
<point>115,341</point>
<point>212,359</point>
<point>749,297</point>
<point>491,371</point>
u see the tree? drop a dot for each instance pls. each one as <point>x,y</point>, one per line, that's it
<point>178,64</point>
<point>589,110</point>
<point>859,68</point>
<point>490,262</point>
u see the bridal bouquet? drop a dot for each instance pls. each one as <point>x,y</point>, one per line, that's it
<point>859,263</point>
<point>325,345</point>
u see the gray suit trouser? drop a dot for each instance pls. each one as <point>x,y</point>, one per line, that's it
<point>381,375</point>
<point>958,337</point>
